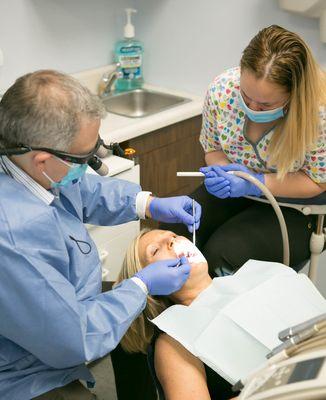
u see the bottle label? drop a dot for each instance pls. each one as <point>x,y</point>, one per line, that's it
<point>131,66</point>
<point>131,49</point>
<point>130,61</point>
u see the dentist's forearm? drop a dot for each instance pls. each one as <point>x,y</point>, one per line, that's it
<point>216,158</point>
<point>294,185</point>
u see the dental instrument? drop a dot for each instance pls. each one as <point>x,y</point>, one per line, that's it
<point>298,373</point>
<point>194,224</point>
<point>268,195</point>
<point>294,330</point>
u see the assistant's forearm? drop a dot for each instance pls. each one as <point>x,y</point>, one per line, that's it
<point>216,158</point>
<point>295,184</point>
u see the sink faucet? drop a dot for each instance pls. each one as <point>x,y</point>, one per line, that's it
<point>107,81</point>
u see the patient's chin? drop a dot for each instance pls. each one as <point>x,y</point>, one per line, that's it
<point>198,268</point>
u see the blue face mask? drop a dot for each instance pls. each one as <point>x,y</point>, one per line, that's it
<point>261,116</point>
<point>75,172</point>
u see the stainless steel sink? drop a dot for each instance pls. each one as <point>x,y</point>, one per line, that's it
<point>141,102</point>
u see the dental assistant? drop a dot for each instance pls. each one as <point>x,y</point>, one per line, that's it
<point>54,317</point>
<point>268,118</point>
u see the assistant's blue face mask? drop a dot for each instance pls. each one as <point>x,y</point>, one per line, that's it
<point>261,116</point>
<point>75,172</point>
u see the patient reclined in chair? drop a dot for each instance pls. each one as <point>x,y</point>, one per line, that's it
<point>229,323</point>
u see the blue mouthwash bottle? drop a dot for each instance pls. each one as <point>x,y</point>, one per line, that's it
<point>129,54</point>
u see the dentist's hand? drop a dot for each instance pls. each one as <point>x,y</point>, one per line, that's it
<point>175,210</point>
<point>238,186</point>
<point>166,276</point>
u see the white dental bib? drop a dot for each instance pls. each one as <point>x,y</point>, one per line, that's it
<point>235,322</point>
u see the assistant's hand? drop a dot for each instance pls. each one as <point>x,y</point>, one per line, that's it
<point>215,184</point>
<point>166,276</point>
<point>175,210</point>
<point>238,186</point>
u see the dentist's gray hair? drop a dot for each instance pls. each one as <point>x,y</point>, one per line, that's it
<point>45,108</point>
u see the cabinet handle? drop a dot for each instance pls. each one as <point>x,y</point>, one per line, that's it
<point>103,255</point>
<point>105,273</point>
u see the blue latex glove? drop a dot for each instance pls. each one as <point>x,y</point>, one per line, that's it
<point>215,184</point>
<point>175,210</point>
<point>166,276</point>
<point>238,186</point>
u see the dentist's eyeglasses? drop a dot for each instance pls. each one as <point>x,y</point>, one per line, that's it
<point>92,158</point>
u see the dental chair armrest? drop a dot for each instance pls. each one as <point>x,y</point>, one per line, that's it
<point>311,206</point>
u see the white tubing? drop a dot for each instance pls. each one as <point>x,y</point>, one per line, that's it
<point>277,209</point>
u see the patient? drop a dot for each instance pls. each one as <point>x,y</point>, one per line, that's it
<point>182,375</point>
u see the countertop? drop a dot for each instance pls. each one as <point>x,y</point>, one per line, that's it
<point>116,128</point>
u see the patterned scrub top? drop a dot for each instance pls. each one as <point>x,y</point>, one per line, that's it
<point>224,128</point>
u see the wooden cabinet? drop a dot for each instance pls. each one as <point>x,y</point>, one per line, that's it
<point>163,152</point>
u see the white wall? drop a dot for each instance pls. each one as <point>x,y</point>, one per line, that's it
<point>69,35</point>
<point>188,42</point>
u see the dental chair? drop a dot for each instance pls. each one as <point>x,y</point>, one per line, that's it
<point>312,206</point>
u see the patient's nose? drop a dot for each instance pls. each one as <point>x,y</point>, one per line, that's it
<point>168,238</point>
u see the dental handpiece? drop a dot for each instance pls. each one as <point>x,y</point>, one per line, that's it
<point>193,173</point>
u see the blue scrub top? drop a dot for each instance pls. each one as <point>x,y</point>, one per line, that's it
<point>53,315</point>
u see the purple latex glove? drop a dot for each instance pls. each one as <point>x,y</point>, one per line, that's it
<point>238,186</point>
<point>175,210</point>
<point>166,276</point>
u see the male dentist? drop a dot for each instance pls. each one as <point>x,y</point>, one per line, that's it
<point>53,316</point>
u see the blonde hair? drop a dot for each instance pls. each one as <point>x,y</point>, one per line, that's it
<point>283,58</point>
<point>141,331</point>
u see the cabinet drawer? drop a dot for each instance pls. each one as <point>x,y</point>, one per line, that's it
<point>112,241</point>
<point>164,152</point>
